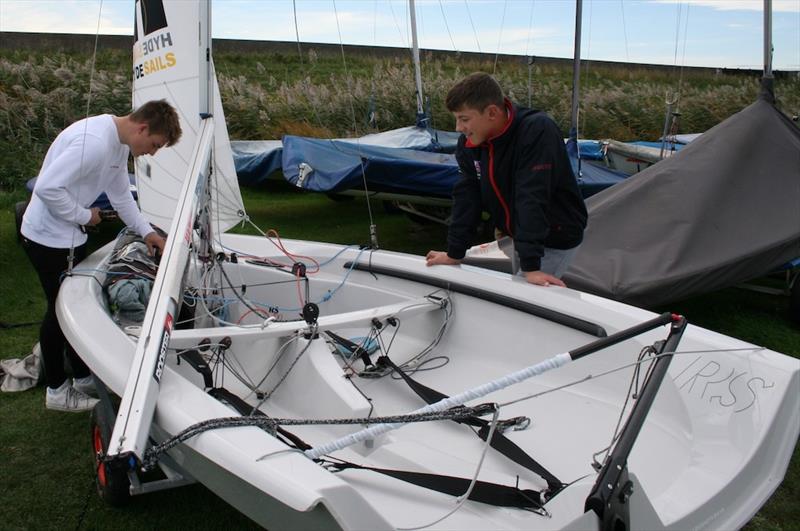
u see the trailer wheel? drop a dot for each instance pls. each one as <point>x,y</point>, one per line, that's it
<point>112,484</point>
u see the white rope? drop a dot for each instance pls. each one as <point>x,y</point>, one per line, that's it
<point>464,497</point>
<point>462,398</point>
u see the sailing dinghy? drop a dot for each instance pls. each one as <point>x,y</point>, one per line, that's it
<point>315,386</point>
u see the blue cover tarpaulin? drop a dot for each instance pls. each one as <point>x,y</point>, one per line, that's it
<point>591,176</point>
<point>336,165</point>
<point>256,160</point>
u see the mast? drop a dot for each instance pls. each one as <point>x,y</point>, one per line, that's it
<point>576,70</point>
<point>421,119</point>
<point>576,79</point>
<point>206,79</point>
<point>767,39</point>
<point>189,35</point>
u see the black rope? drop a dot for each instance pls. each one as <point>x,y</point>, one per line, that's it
<point>271,425</point>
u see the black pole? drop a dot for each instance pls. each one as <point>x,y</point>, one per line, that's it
<point>612,490</point>
<point>622,335</point>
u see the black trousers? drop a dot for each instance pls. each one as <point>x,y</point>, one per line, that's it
<point>50,264</point>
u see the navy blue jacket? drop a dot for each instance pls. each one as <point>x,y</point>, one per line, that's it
<point>523,178</point>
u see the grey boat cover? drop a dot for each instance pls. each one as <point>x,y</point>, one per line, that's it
<point>724,210</point>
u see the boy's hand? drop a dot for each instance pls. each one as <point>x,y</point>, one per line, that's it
<point>95,217</point>
<point>543,279</point>
<point>155,243</point>
<point>439,258</point>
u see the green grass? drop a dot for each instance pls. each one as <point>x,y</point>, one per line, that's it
<point>45,457</point>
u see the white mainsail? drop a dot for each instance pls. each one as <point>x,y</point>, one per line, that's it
<point>166,66</point>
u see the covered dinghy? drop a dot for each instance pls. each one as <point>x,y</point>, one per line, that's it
<point>256,160</point>
<point>724,210</point>
<point>337,165</point>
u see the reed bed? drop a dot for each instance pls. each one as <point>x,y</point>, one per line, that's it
<point>267,95</point>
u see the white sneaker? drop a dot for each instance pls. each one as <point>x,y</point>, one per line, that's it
<point>67,398</point>
<point>85,385</point>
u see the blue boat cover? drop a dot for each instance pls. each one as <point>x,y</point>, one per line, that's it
<point>591,149</point>
<point>336,165</point>
<point>592,177</point>
<point>256,160</point>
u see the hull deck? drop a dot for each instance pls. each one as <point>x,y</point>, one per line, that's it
<point>714,446</point>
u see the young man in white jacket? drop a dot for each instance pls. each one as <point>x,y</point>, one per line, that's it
<point>86,159</point>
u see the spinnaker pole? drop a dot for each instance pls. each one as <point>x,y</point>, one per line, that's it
<point>497,384</point>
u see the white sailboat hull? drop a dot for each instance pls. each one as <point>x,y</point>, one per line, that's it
<point>715,446</point>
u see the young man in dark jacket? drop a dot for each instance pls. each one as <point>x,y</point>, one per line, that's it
<point>514,165</point>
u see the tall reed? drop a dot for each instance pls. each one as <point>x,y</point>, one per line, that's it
<point>267,95</point>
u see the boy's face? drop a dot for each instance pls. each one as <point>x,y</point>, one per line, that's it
<point>145,143</point>
<point>478,126</point>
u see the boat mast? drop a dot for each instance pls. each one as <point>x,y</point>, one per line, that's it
<point>768,39</point>
<point>421,119</point>
<point>205,75</point>
<point>576,78</point>
<point>131,431</point>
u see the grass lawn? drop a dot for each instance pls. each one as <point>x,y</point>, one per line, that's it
<point>46,468</point>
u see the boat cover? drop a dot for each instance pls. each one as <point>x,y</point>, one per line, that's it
<point>724,210</point>
<point>336,165</point>
<point>256,160</point>
<point>592,177</point>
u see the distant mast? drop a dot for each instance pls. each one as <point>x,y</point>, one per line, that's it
<point>421,119</point>
<point>768,39</point>
<point>576,70</point>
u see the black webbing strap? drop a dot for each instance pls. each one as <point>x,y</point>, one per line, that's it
<point>245,409</point>
<point>499,442</point>
<point>484,492</point>
<point>355,349</point>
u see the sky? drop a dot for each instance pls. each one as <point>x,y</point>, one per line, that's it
<point>711,33</point>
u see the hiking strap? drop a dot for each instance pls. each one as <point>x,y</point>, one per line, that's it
<point>499,442</point>
<point>484,492</point>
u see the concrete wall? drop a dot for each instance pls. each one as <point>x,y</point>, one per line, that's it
<point>81,43</point>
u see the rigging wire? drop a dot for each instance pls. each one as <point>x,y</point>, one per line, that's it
<point>624,31</point>
<point>297,31</point>
<point>527,54</point>
<point>71,257</point>
<point>403,38</point>
<point>500,37</point>
<point>683,56</point>
<point>447,27</point>
<point>464,497</point>
<point>474,32</point>
<point>633,391</point>
<point>372,227</point>
<point>622,368</point>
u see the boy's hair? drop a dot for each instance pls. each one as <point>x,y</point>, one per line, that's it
<point>476,91</point>
<point>160,118</point>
